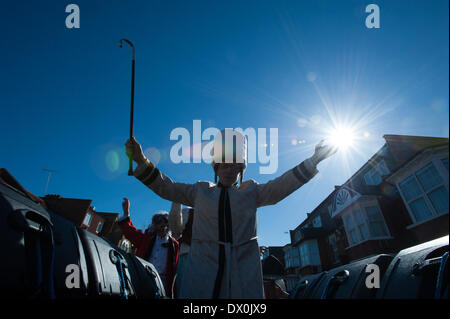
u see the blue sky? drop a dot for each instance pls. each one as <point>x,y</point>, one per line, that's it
<point>298,66</point>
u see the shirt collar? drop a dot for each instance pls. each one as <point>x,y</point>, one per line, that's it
<point>221,185</point>
<point>163,239</point>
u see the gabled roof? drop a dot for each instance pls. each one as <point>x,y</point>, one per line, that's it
<point>402,145</point>
<point>411,144</point>
<point>73,209</point>
<point>417,142</point>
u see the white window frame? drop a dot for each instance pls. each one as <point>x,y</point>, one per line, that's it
<point>88,223</point>
<point>443,173</point>
<point>100,223</point>
<point>308,253</point>
<point>362,208</point>
<point>364,223</point>
<point>295,255</point>
<point>287,257</point>
<point>382,220</point>
<point>290,258</point>
<point>347,230</point>
<point>332,240</point>
<point>376,169</point>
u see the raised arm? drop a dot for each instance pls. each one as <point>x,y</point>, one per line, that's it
<point>176,220</point>
<point>277,189</point>
<point>281,187</point>
<point>151,177</point>
<point>130,232</point>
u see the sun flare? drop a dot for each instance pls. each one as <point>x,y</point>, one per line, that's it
<point>342,137</point>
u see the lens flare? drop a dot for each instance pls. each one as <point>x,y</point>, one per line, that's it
<point>112,160</point>
<point>153,154</point>
<point>108,161</point>
<point>342,137</point>
<point>301,122</point>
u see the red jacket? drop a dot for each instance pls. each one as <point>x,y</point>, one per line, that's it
<point>144,245</point>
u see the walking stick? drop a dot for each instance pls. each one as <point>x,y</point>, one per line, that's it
<point>130,168</point>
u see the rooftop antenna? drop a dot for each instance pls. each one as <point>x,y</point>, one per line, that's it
<point>49,171</point>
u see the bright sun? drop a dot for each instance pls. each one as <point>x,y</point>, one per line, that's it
<point>342,137</point>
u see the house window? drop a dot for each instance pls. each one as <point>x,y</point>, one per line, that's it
<point>309,253</point>
<point>361,225</point>
<point>99,227</point>
<point>295,257</point>
<point>364,223</point>
<point>375,220</point>
<point>425,193</point>
<point>374,176</point>
<point>87,219</point>
<point>351,230</point>
<point>288,258</point>
<point>317,222</point>
<point>334,248</point>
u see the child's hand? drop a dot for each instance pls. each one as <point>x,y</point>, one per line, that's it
<point>134,150</point>
<point>322,152</point>
<point>126,207</point>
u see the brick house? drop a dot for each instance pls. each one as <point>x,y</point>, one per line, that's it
<point>82,214</point>
<point>423,185</point>
<point>318,243</point>
<point>397,199</point>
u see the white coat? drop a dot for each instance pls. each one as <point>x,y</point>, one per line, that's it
<point>242,273</point>
<point>178,219</point>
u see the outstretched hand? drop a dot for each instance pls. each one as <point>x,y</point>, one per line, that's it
<point>126,207</point>
<point>134,150</point>
<point>322,152</point>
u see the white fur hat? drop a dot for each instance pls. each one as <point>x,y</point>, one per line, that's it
<point>229,146</point>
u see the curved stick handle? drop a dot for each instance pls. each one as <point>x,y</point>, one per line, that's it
<point>130,167</point>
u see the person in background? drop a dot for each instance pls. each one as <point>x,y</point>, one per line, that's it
<point>155,244</point>
<point>180,223</point>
